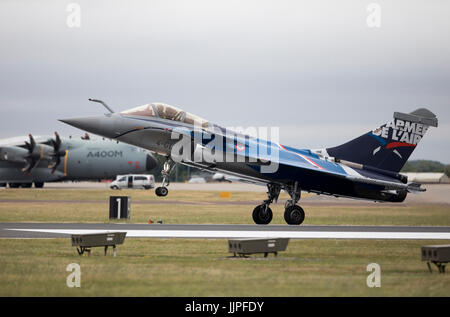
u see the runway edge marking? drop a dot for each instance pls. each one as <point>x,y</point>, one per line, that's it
<point>256,234</point>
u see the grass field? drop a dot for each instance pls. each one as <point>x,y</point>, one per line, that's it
<point>199,267</point>
<point>182,267</point>
<point>201,208</point>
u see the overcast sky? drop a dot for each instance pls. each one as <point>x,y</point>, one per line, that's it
<point>313,68</point>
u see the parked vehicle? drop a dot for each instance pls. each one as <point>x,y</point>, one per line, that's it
<point>132,181</point>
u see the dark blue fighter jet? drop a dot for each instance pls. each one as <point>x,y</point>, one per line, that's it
<point>367,167</point>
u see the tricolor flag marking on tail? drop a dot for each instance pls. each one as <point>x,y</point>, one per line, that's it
<point>389,146</point>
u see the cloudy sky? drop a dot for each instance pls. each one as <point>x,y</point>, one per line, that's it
<point>313,68</point>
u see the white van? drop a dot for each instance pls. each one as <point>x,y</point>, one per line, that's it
<point>132,181</point>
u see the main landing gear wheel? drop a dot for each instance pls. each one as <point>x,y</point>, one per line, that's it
<point>262,214</point>
<point>294,215</point>
<point>161,191</point>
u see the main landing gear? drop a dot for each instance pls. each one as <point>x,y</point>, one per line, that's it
<point>165,173</point>
<point>293,214</point>
<point>262,214</point>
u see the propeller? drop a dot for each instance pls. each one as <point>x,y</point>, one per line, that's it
<point>57,152</point>
<point>33,157</point>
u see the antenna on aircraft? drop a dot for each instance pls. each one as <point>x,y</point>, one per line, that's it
<point>103,103</point>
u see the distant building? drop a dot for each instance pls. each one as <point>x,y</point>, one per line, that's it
<point>430,178</point>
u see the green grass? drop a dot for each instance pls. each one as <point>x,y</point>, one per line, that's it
<point>199,267</point>
<point>136,195</point>
<point>431,215</point>
<point>183,267</point>
<point>201,208</point>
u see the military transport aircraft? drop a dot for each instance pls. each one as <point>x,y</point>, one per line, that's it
<point>367,167</point>
<point>46,159</point>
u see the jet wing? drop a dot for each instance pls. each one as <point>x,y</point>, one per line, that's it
<point>304,166</point>
<point>307,167</point>
<point>385,185</point>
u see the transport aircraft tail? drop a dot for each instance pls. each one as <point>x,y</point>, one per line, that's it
<point>389,146</point>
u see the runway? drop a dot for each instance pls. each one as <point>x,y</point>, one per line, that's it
<point>64,230</point>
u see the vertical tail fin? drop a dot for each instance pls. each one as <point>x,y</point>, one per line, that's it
<point>389,146</point>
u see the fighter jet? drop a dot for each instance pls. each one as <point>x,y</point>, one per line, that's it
<point>367,167</point>
<point>45,159</point>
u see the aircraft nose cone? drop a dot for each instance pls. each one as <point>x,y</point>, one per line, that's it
<point>100,125</point>
<point>82,123</point>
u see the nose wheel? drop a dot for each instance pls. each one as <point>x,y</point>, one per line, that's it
<point>162,191</point>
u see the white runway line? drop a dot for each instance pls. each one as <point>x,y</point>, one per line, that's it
<point>258,234</point>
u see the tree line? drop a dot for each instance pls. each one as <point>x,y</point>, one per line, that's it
<point>426,166</point>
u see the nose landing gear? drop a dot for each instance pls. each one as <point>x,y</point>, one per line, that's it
<point>162,191</point>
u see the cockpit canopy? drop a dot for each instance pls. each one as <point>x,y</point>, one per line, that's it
<point>164,111</point>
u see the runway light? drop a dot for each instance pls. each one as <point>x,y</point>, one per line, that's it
<point>245,247</point>
<point>85,242</point>
<point>437,254</point>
